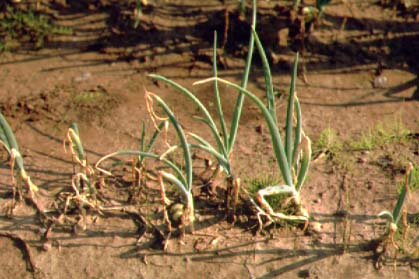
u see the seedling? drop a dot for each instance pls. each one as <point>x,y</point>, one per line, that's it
<point>399,214</point>
<point>8,140</point>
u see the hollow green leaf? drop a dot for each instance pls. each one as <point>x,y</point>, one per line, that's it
<point>240,98</point>
<point>170,164</point>
<point>151,141</point>
<point>217,93</point>
<point>397,212</point>
<point>290,112</point>
<point>267,75</point>
<point>305,163</point>
<point>298,131</point>
<point>197,102</point>
<point>76,141</point>
<point>386,214</point>
<point>6,135</point>
<point>182,138</point>
<point>273,129</point>
<point>173,179</point>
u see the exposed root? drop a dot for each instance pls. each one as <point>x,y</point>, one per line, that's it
<point>262,208</point>
<point>165,202</point>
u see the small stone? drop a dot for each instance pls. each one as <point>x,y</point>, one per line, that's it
<point>380,81</point>
<point>259,129</point>
<point>46,246</point>
<point>83,77</point>
<point>316,227</point>
<point>361,160</point>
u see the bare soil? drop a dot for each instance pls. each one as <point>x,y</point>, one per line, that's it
<point>104,58</point>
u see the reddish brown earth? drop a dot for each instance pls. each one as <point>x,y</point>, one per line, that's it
<point>105,55</point>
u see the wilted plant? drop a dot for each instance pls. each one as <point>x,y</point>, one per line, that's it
<point>138,166</point>
<point>294,156</point>
<point>83,180</point>
<point>8,140</point>
<point>181,178</point>
<point>224,140</point>
<point>75,145</point>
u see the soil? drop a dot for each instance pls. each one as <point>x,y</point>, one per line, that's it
<point>96,77</point>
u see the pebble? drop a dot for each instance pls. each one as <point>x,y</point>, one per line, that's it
<point>46,246</point>
<point>380,81</point>
<point>83,77</point>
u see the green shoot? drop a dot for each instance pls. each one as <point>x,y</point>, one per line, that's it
<point>395,216</point>
<point>137,13</point>
<point>8,140</point>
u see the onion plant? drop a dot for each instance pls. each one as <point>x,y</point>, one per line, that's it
<point>84,175</point>
<point>181,178</point>
<point>399,214</point>
<point>224,139</point>
<point>8,140</point>
<point>293,157</point>
<point>139,162</point>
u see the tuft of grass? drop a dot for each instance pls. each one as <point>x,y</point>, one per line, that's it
<point>20,27</point>
<point>328,143</point>
<point>382,134</point>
